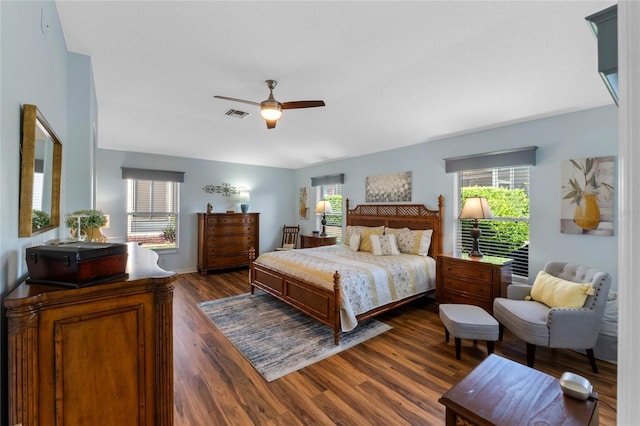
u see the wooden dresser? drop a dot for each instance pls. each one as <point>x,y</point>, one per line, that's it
<point>472,280</point>
<point>101,354</point>
<point>224,239</point>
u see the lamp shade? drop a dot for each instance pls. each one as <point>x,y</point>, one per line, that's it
<point>476,208</point>
<point>324,207</point>
<point>244,196</point>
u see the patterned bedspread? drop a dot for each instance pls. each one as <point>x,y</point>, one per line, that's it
<point>367,281</point>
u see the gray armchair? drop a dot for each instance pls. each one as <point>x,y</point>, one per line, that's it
<point>569,328</point>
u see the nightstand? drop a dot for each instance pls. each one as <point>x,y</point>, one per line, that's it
<point>472,280</point>
<point>309,241</point>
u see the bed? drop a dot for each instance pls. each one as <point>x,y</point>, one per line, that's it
<point>325,293</point>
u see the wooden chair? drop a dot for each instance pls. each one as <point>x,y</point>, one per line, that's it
<point>289,237</point>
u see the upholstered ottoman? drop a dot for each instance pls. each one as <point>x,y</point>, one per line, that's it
<point>468,322</point>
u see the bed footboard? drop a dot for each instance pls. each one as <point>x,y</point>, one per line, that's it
<point>319,303</point>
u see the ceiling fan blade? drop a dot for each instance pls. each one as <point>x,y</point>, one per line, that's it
<point>271,124</point>
<point>237,100</point>
<point>302,104</point>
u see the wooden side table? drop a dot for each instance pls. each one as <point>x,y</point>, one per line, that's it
<point>503,392</point>
<point>472,280</point>
<point>309,241</point>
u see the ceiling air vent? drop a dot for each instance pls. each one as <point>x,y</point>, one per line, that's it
<point>236,113</point>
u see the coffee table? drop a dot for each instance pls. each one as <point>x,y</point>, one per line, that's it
<point>503,392</point>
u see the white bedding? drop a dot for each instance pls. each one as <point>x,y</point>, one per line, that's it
<point>367,281</point>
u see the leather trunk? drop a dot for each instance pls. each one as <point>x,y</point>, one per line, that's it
<point>77,264</point>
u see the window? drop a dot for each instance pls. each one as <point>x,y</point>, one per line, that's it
<point>153,207</point>
<point>330,188</point>
<point>507,234</point>
<point>152,213</point>
<point>333,194</point>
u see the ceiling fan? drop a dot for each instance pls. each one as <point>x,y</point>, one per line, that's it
<point>270,109</point>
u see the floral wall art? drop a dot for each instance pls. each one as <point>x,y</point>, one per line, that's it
<point>388,188</point>
<point>303,202</point>
<point>588,196</point>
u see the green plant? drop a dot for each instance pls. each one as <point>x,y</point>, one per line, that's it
<point>504,203</point>
<point>169,231</point>
<point>336,206</point>
<point>39,219</point>
<point>93,219</point>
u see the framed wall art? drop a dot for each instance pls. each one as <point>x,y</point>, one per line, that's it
<point>588,196</point>
<point>390,187</point>
<point>303,202</point>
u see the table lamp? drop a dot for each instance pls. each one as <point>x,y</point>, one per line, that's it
<point>244,201</point>
<point>324,207</point>
<point>476,208</point>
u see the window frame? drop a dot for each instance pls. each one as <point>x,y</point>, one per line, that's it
<point>519,179</point>
<point>332,230</point>
<point>133,185</point>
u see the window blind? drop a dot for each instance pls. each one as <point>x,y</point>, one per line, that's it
<point>148,174</point>
<point>327,180</point>
<point>152,213</point>
<point>513,157</point>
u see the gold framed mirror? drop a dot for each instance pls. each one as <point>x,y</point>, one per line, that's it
<point>40,173</point>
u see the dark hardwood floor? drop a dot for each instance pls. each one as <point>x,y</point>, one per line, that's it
<point>395,378</point>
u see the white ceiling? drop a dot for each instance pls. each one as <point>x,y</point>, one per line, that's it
<point>391,73</point>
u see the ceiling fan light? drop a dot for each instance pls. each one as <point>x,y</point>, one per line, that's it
<point>270,110</point>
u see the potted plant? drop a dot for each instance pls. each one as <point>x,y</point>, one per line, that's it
<point>39,219</point>
<point>90,223</point>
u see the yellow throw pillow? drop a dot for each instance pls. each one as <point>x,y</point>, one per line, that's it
<point>558,293</point>
<point>366,233</point>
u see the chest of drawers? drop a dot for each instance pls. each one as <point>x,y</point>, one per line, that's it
<point>224,239</point>
<point>472,280</point>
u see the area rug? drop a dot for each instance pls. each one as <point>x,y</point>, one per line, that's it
<point>278,339</point>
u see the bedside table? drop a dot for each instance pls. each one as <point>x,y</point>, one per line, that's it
<point>309,241</point>
<point>472,280</point>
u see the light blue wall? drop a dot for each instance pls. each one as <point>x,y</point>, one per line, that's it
<point>272,195</point>
<point>34,72</point>
<point>577,135</point>
<point>35,68</point>
<point>82,107</point>
<point>586,133</point>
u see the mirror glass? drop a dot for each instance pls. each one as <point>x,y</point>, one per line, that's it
<point>41,161</point>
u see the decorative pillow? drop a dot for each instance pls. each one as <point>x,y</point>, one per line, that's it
<point>351,230</point>
<point>410,241</point>
<point>558,293</point>
<point>289,246</point>
<point>366,233</point>
<point>354,242</point>
<point>384,245</point>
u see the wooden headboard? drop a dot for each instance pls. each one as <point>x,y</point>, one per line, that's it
<point>412,216</point>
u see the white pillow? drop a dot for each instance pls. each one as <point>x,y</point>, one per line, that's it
<point>354,242</point>
<point>384,245</point>
<point>410,241</point>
